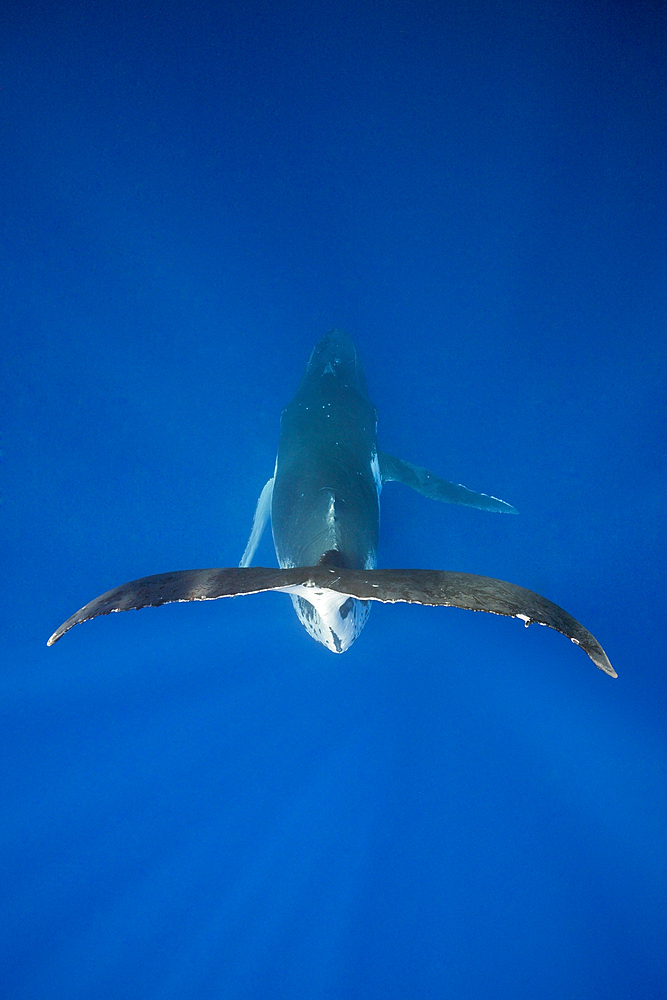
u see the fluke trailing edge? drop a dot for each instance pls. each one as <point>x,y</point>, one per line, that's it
<point>323,501</point>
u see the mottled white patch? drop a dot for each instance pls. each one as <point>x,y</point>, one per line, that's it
<point>333,619</point>
<point>331,513</point>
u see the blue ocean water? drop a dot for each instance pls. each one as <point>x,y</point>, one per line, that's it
<point>199,801</point>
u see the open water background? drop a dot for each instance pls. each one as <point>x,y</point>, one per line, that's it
<point>198,801</point>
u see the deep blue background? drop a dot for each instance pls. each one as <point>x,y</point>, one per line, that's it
<point>198,801</point>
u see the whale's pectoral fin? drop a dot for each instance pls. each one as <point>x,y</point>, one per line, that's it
<point>262,512</point>
<point>465,590</point>
<point>425,482</point>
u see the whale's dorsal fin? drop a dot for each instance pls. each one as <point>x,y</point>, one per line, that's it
<point>262,511</point>
<point>394,469</point>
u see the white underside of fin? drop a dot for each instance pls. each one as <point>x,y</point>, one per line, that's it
<point>377,473</point>
<point>331,618</point>
<point>262,512</point>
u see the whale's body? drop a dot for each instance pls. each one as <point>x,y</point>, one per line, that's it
<point>326,491</point>
<point>324,504</point>
<point>324,497</point>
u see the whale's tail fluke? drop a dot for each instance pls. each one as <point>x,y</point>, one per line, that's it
<point>415,586</point>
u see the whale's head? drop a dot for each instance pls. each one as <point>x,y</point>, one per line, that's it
<point>335,356</point>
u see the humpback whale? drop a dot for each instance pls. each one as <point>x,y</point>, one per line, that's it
<point>323,501</point>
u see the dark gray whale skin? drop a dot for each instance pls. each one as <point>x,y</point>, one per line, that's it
<point>325,493</point>
<point>323,501</point>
